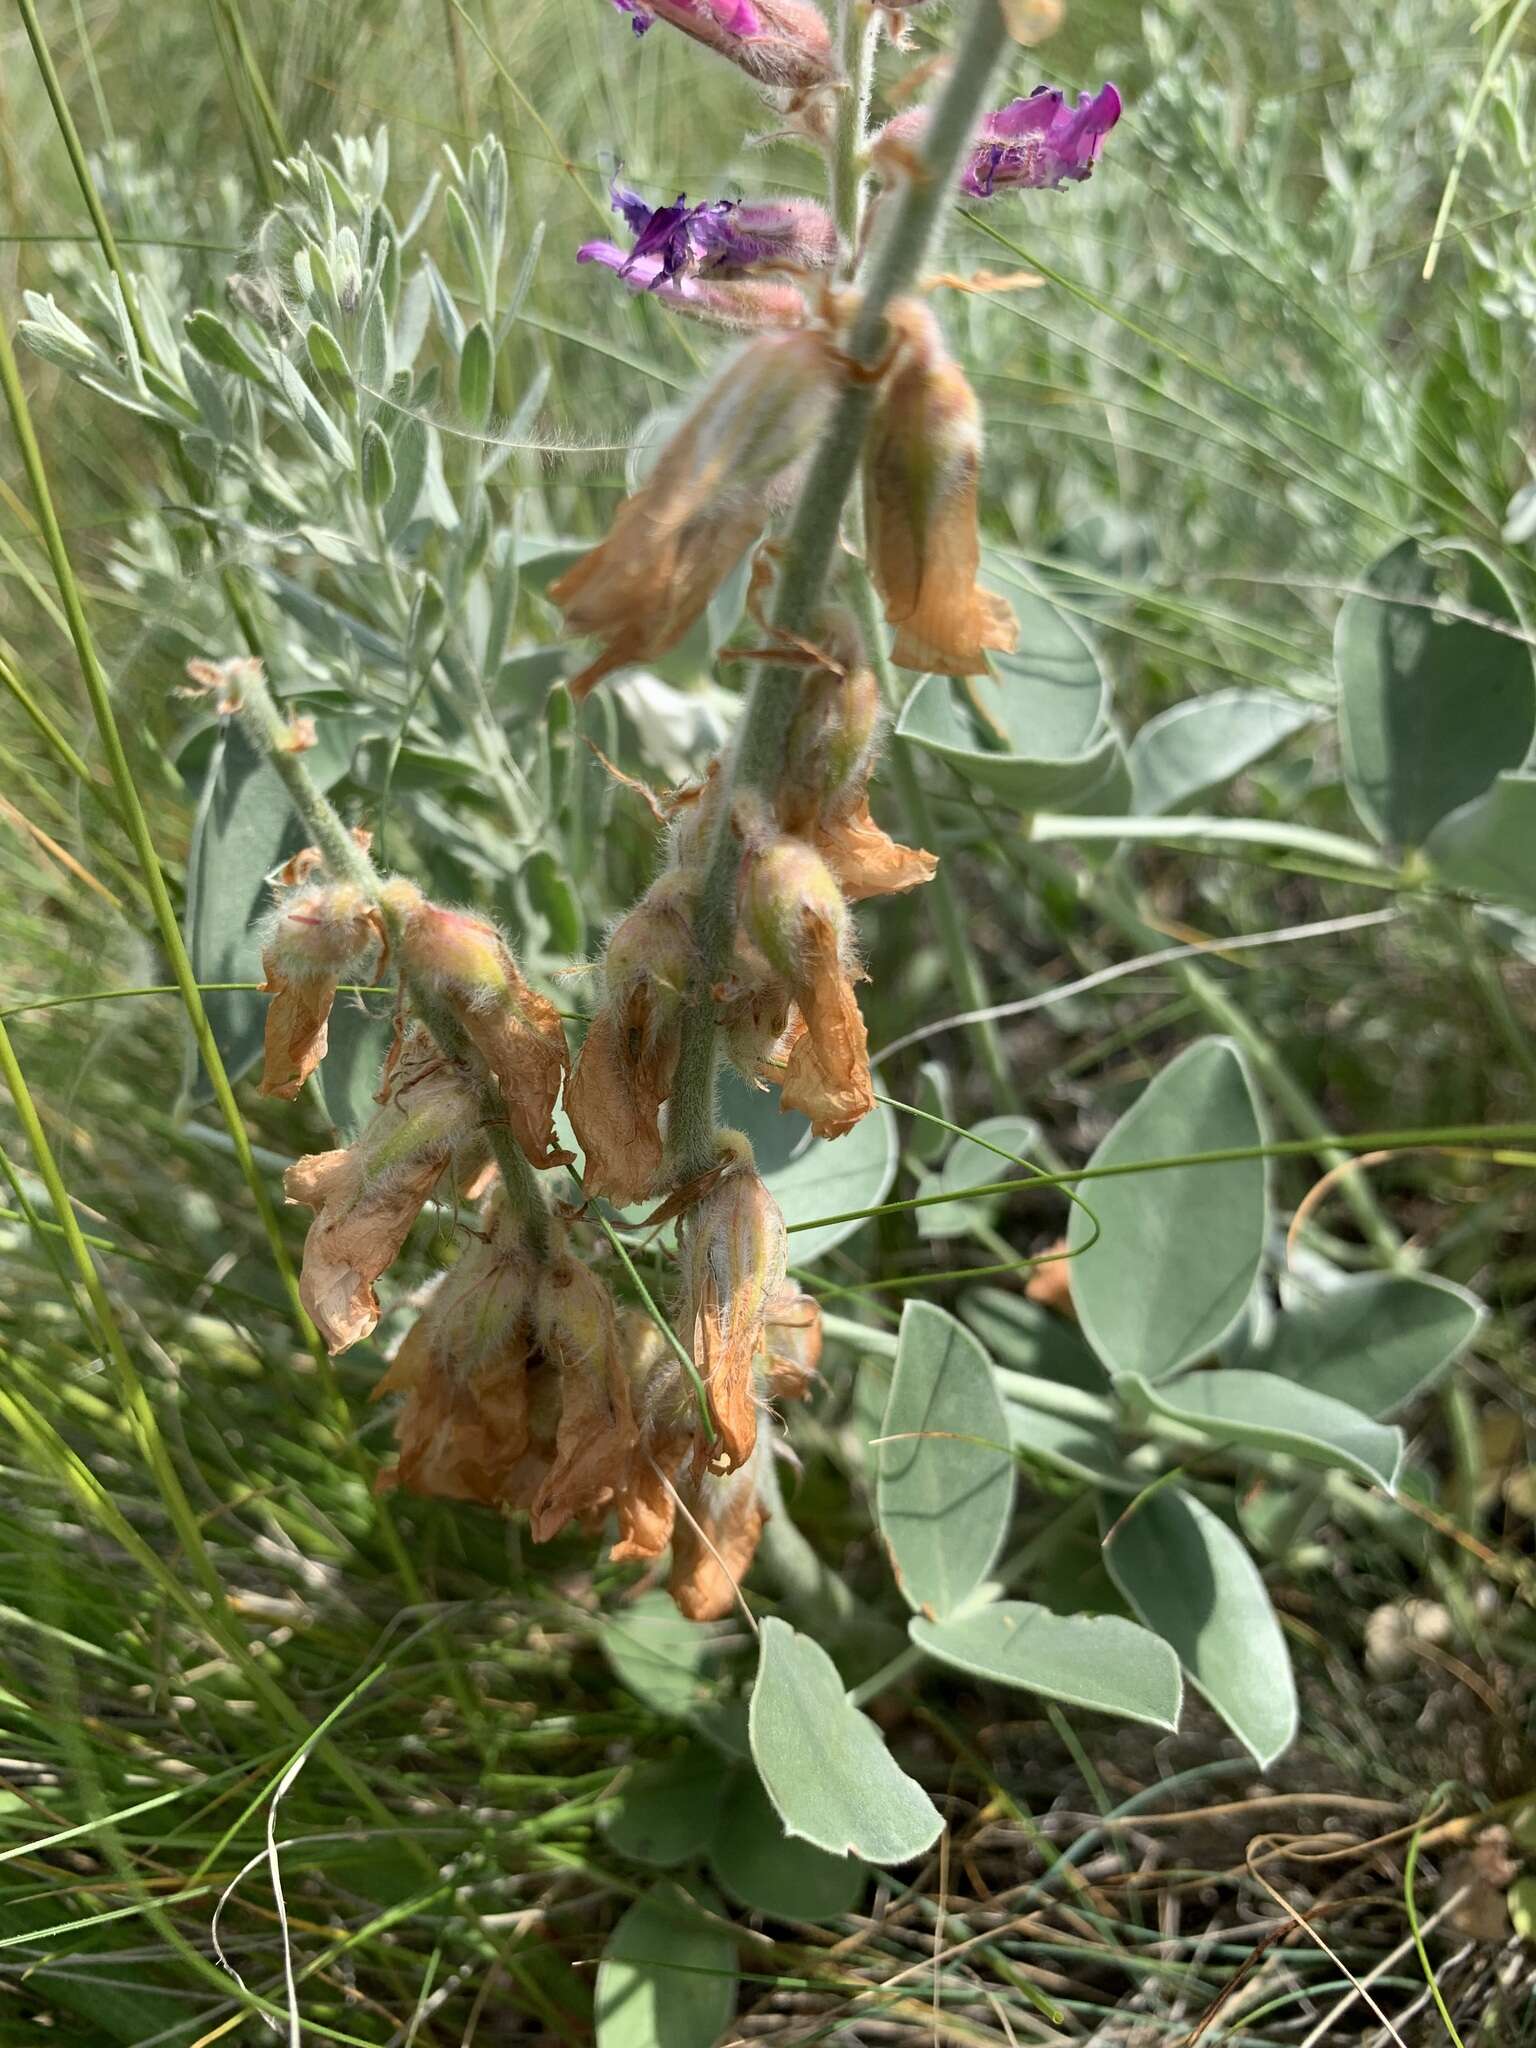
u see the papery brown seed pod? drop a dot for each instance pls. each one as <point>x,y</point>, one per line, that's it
<point>367,1196</point>
<point>793,911</point>
<point>922,465</point>
<point>463,1370</point>
<point>666,1419</point>
<point>714,1544</point>
<point>674,542</point>
<point>517,1032</point>
<point>623,1073</point>
<point>732,1251</point>
<point>315,939</point>
<point>596,1437</point>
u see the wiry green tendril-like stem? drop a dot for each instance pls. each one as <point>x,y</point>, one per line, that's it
<point>810,546</point>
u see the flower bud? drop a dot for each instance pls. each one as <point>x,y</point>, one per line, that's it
<point>829,749</point>
<point>314,940</point>
<point>793,911</point>
<point>674,542</point>
<point>782,44</point>
<point>517,1032</point>
<point>713,1545</point>
<point>921,465</point>
<point>624,1071</point>
<point>666,1419</point>
<point>463,1370</point>
<point>732,1249</point>
<point>367,1196</point>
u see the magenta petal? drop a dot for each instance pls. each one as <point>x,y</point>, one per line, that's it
<point>1032,115</point>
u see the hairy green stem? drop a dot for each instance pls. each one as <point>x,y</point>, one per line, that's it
<point>810,547</point>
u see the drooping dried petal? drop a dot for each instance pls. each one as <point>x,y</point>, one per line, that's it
<point>782,44</point>
<point>316,939</point>
<point>516,1031</point>
<point>674,542</point>
<point>596,1436</point>
<point>792,1342</point>
<point>463,1370</point>
<point>624,1070</point>
<point>794,912</point>
<point>666,1422</point>
<point>366,1197</point>
<point>921,468</point>
<point>710,1561</point>
<point>732,1250</point>
<point>866,860</point>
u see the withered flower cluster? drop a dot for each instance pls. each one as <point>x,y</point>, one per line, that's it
<point>525,1387</point>
<point>786,1009</point>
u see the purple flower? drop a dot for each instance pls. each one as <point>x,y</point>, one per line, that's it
<point>640,18</point>
<point>717,237</point>
<point>1041,141</point>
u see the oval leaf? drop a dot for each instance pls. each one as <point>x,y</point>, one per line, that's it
<point>668,1813</point>
<point>825,1765</point>
<point>1257,1409</point>
<point>763,1868</point>
<point>1088,1660</point>
<point>1376,1339</point>
<point>1203,744</point>
<point>1191,1581</point>
<point>477,371</point>
<point>1488,847</point>
<point>663,1659</point>
<point>667,1978</point>
<point>1431,706</point>
<point>945,1488</point>
<point>1179,1247</point>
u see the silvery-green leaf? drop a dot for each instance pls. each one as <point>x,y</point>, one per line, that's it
<point>825,1765</point>
<point>1205,742</point>
<point>763,1868</point>
<point>1099,1661</point>
<point>667,1978</point>
<point>1192,1582</point>
<point>1377,1340</point>
<point>1179,1246</point>
<point>1260,1411</point>
<point>1436,693</point>
<point>945,1488</point>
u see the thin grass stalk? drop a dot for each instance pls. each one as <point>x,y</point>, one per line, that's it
<point>137,824</point>
<point>74,149</point>
<point>810,547</point>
